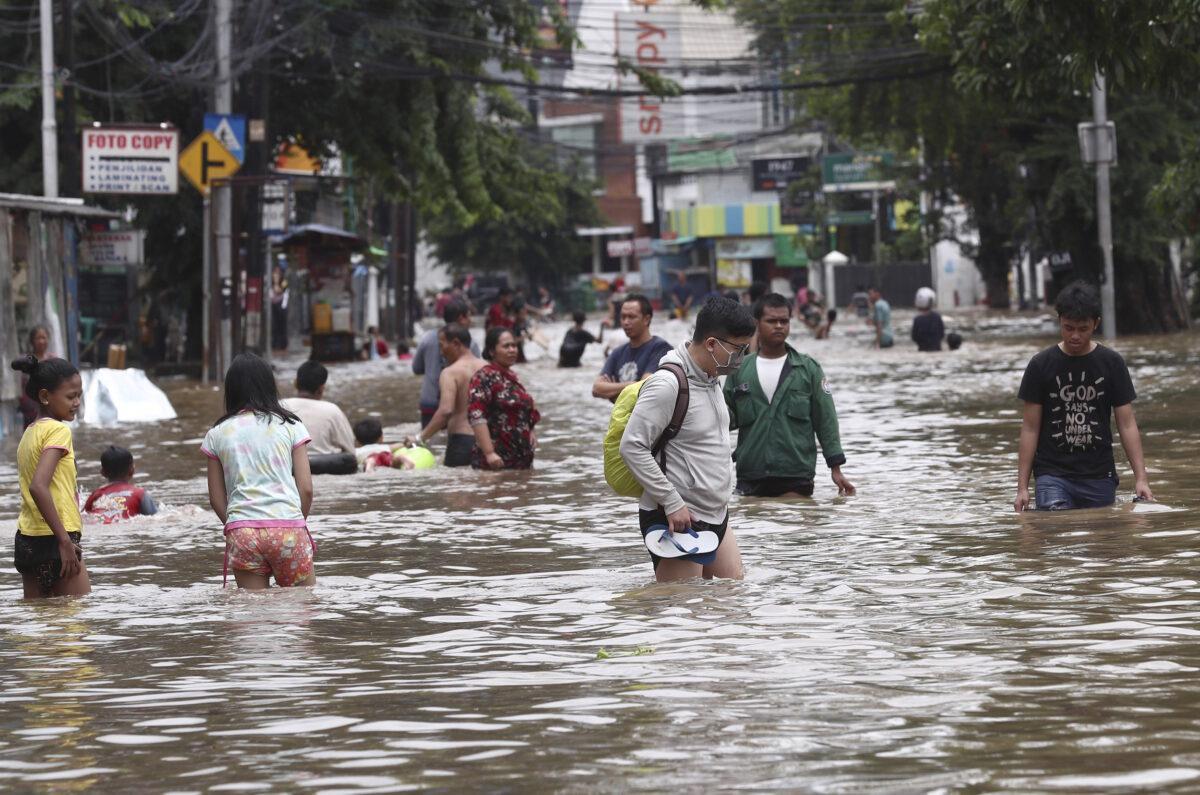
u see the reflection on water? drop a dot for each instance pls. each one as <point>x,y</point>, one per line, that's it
<point>483,631</point>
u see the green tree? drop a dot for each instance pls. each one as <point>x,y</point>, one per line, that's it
<point>392,85</point>
<point>535,232</point>
<point>988,95</point>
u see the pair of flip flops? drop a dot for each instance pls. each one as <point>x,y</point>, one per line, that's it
<point>699,547</point>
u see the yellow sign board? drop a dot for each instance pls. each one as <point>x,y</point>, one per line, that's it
<point>206,160</point>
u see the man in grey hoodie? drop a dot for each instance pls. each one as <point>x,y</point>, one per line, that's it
<point>693,489</point>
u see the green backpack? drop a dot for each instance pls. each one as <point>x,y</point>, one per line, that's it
<point>616,473</point>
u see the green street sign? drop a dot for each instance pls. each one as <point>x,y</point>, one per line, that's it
<point>849,218</point>
<point>861,171</point>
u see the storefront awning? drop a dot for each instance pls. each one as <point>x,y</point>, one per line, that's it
<point>323,235</point>
<point>728,220</point>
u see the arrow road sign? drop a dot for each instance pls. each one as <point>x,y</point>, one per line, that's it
<point>205,160</point>
<point>230,130</point>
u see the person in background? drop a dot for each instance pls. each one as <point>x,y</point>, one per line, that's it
<point>632,361</point>
<point>812,314</point>
<point>800,286</point>
<point>500,315</point>
<point>39,348</point>
<point>520,327</point>
<point>927,328</point>
<point>616,297</point>
<point>451,414</point>
<point>330,430</point>
<point>544,304</point>
<point>576,340</point>
<point>822,331</point>
<point>259,482</point>
<point>375,347</point>
<point>428,361</point>
<point>279,308</point>
<point>46,550</point>
<point>444,297</point>
<point>860,302</point>
<point>119,498</point>
<point>683,296</point>
<point>881,319</point>
<point>954,340</point>
<point>1071,391</point>
<point>501,413</point>
<point>371,452</point>
<point>781,405</point>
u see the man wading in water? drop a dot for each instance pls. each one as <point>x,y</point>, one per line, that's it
<point>691,489</point>
<point>1071,390</point>
<point>453,385</point>
<point>781,405</point>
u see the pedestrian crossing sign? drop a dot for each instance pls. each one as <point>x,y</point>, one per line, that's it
<point>230,130</point>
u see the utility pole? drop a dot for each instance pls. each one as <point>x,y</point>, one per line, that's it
<point>1108,310</point>
<point>71,165</point>
<point>222,194</point>
<point>49,126</point>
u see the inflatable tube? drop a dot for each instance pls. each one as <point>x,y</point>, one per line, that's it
<point>333,464</point>
<point>421,457</point>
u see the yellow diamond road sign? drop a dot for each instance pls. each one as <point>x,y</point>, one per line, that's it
<point>205,160</point>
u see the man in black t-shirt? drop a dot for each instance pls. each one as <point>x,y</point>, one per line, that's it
<point>1071,391</point>
<point>575,340</point>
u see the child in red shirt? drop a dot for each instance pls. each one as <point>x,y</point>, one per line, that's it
<point>120,499</point>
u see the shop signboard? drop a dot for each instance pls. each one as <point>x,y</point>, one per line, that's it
<point>734,272</point>
<point>652,41</point>
<point>746,248</point>
<point>112,249</point>
<point>131,160</point>
<point>276,195</point>
<point>850,218</point>
<point>864,171</point>
<point>776,173</point>
<point>797,208</point>
<point>640,246</point>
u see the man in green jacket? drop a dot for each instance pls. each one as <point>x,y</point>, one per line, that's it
<point>780,404</point>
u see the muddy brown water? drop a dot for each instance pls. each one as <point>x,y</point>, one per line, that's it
<point>482,632</point>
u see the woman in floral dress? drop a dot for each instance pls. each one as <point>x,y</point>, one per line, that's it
<point>500,411</point>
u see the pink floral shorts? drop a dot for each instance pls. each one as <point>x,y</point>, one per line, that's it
<point>286,552</point>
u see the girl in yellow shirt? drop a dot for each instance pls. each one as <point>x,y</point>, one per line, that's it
<point>46,549</point>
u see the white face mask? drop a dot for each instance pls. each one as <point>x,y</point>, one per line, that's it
<point>733,359</point>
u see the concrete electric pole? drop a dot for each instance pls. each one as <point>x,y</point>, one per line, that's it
<point>223,194</point>
<point>1106,153</point>
<point>49,126</point>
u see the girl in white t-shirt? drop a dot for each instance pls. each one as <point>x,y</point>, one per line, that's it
<point>259,483</point>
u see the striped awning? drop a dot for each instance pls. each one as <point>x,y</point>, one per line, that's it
<point>728,220</point>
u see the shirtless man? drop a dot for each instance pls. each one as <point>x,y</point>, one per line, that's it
<point>455,343</point>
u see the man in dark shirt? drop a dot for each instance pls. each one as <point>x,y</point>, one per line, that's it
<point>927,328</point>
<point>635,359</point>
<point>1071,391</point>
<point>575,340</point>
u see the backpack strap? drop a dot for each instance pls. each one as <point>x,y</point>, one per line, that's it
<point>677,416</point>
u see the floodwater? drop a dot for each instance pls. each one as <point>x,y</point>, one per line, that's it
<point>482,632</point>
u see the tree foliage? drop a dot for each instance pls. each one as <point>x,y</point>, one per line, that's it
<point>537,238</point>
<point>987,94</point>
<point>390,85</point>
